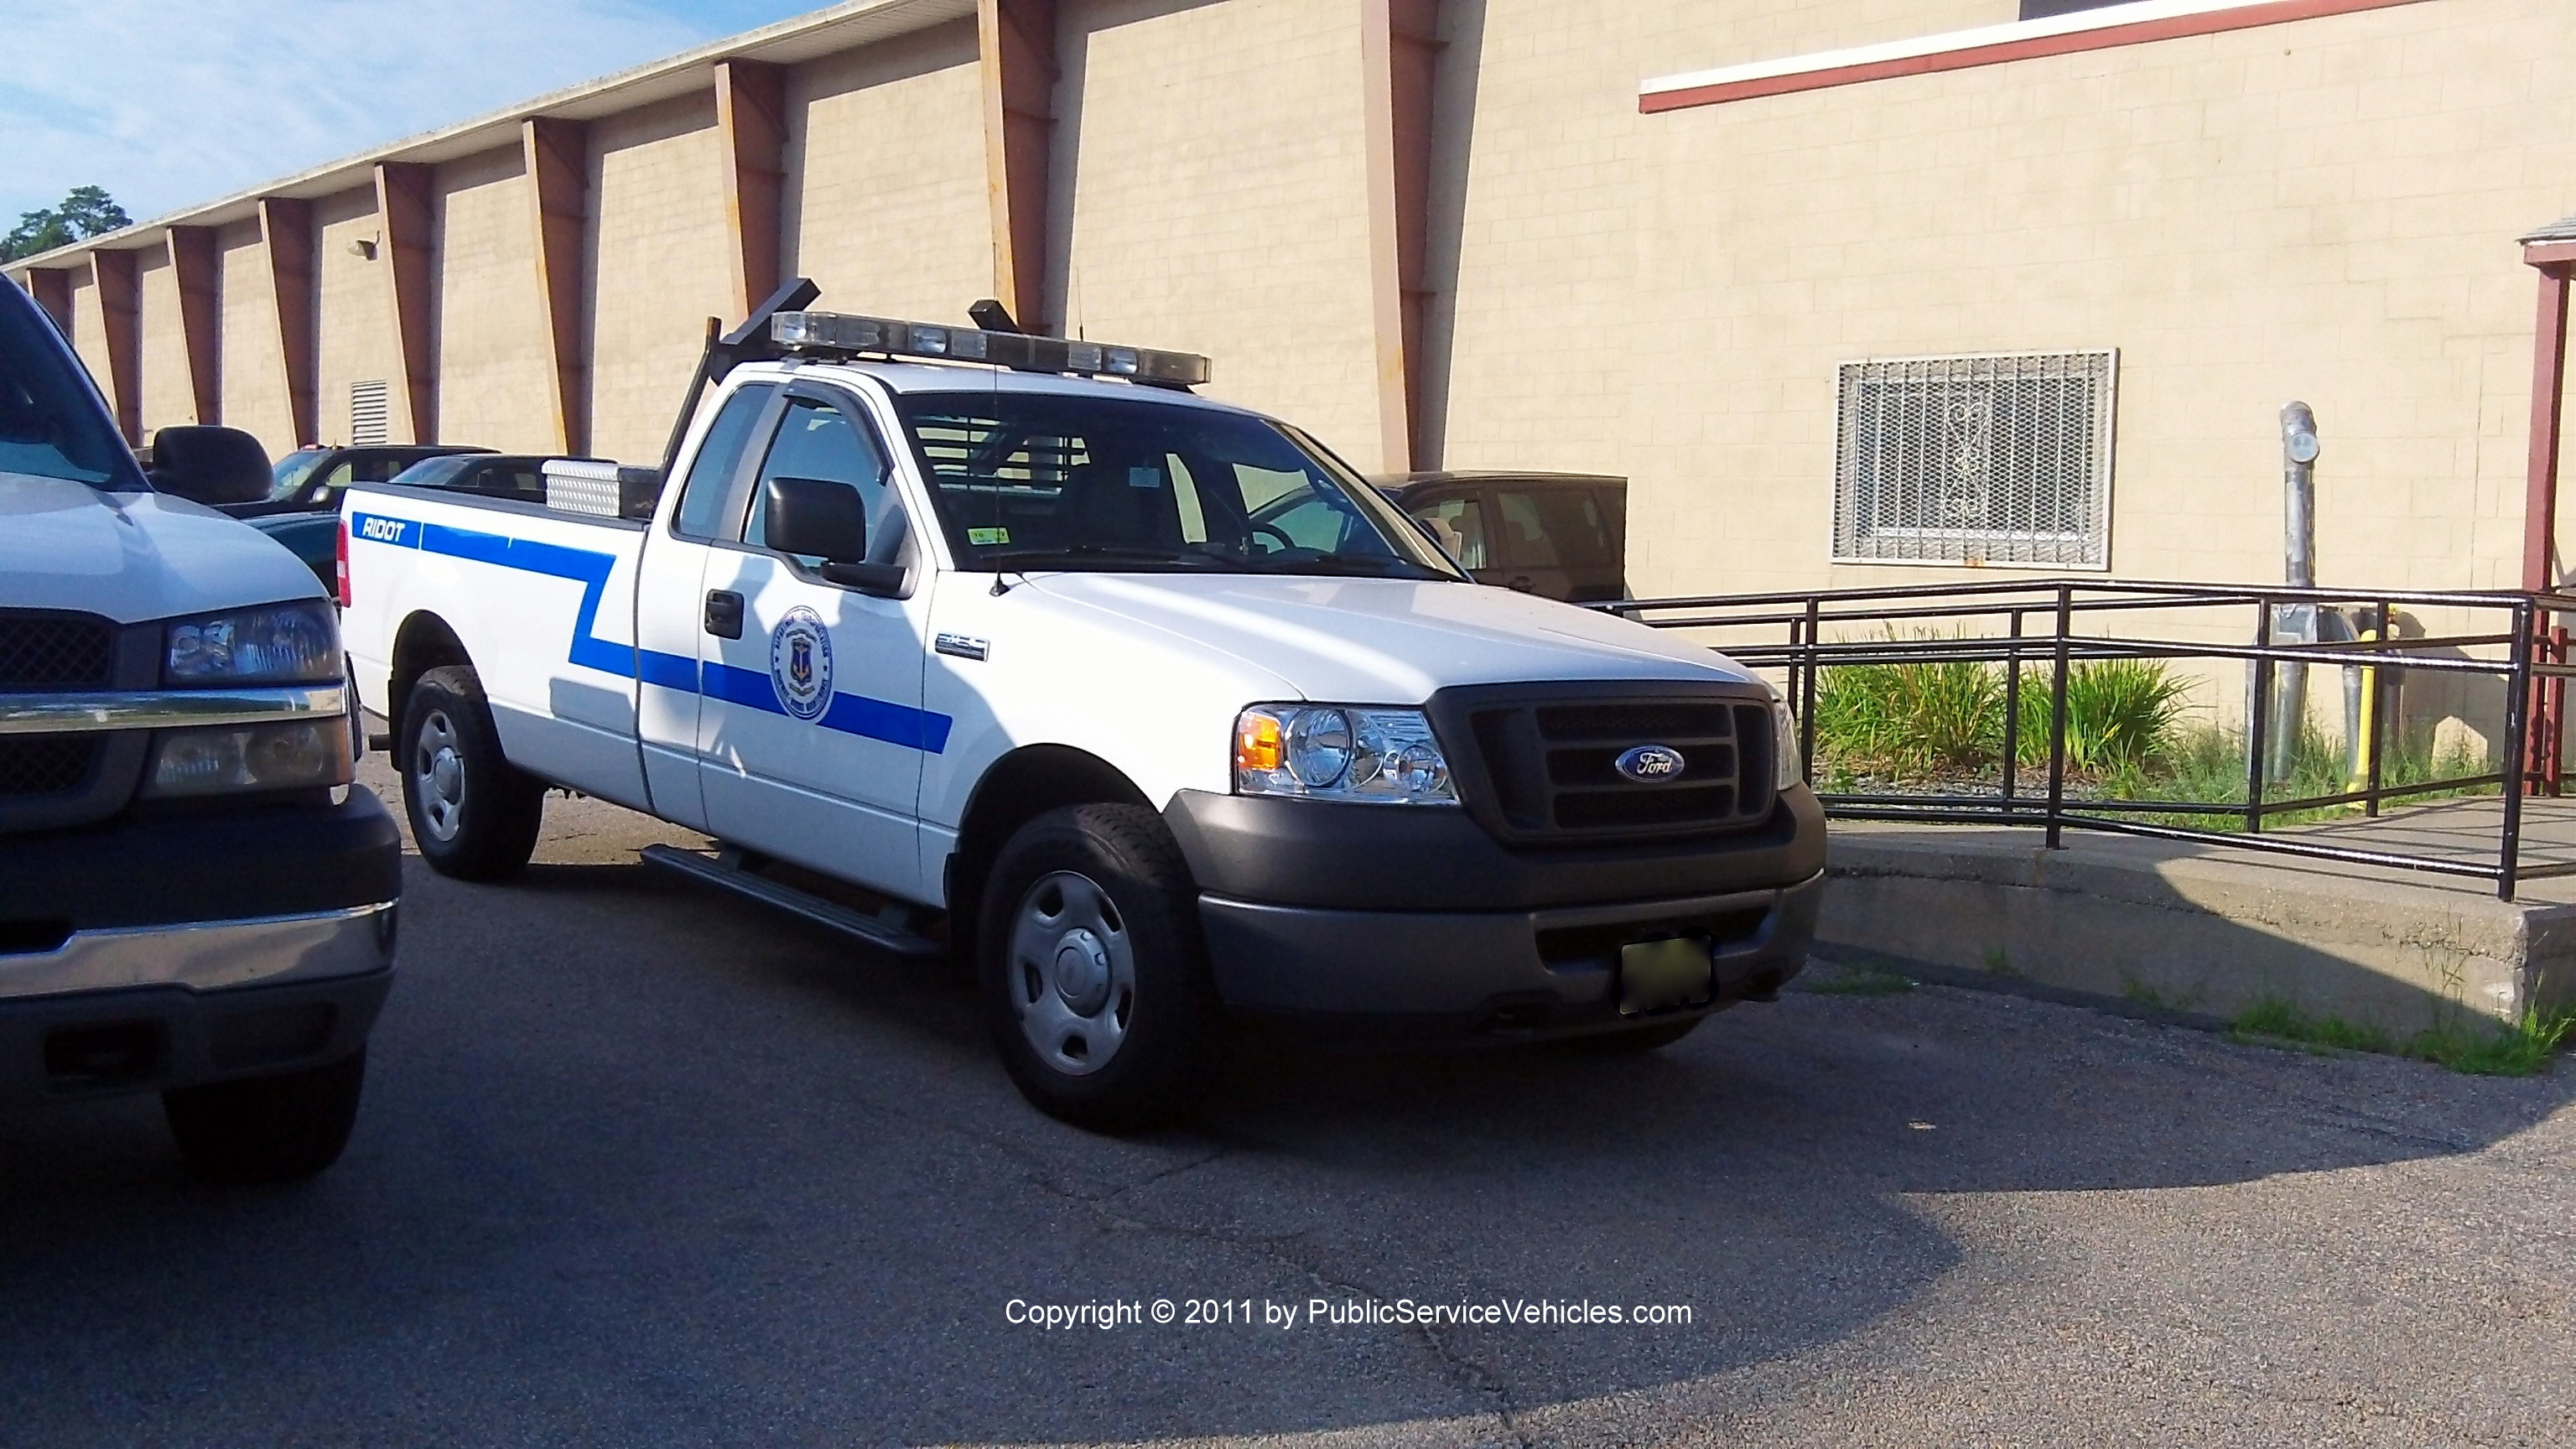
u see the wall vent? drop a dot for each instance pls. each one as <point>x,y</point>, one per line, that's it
<point>367,426</point>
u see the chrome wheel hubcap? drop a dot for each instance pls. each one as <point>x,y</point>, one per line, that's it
<point>438,775</point>
<point>1072,973</point>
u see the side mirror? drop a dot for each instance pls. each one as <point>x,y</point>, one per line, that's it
<point>809,516</point>
<point>829,521</point>
<point>213,466</point>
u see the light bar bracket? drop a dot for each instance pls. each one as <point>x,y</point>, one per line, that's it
<point>839,334</point>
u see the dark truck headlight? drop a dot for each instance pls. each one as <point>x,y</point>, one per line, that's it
<point>279,644</point>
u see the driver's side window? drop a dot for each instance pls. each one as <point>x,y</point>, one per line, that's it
<point>817,440</point>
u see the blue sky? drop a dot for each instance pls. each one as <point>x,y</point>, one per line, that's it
<point>170,102</point>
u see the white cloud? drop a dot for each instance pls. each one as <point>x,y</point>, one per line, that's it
<point>170,102</point>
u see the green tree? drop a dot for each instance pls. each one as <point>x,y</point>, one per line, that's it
<point>86,212</point>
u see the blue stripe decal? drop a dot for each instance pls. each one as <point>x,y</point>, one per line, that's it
<point>850,714</point>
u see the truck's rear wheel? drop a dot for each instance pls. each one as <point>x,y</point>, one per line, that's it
<point>1094,975</point>
<point>473,814</point>
<point>283,1128</point>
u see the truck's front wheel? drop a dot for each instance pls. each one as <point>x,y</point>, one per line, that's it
<point>1094,974</point>
<point>473,814</point>
<point>267,1129</point>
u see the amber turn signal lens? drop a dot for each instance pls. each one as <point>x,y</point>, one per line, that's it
<point>1257,742</point>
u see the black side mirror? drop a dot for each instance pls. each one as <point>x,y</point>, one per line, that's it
<point>829,521</point>
<point>212,466</point>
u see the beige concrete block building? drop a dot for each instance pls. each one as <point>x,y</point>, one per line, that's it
<point>1851,290</point>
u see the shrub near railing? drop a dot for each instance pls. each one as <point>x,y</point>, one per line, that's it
<point>1941,722</point>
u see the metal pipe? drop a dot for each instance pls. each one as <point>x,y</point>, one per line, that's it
<point>2517,718</point>
<point>2057,723</point>
<point>2259,702</point>
<point>2012,708</point>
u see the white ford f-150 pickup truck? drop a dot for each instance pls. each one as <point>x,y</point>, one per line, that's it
<point>194,900</point>
<point>1147,703</point>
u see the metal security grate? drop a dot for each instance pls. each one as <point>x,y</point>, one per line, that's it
<point>38,765</point>
<point>1998,459</point>
<point>367,411</point>
<point>55,651</point>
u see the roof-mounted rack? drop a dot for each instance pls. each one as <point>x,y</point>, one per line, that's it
<point>830,334</point>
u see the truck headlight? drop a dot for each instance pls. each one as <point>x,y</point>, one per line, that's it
<point>297,643</point>
<point>228,759</point>
<point>1784,745</point>
<point>1340,752</point>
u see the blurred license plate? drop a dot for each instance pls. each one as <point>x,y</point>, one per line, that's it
<point>1654,975</point>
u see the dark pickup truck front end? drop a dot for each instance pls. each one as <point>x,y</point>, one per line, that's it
<point>193,898</point>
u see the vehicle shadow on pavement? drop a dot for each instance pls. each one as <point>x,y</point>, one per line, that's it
<point>639,1164</point>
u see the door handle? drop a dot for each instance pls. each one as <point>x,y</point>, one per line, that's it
<point>724,613</point>
<point>1523,584</point>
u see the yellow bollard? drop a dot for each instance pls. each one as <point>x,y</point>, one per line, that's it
<point>2367,736</point>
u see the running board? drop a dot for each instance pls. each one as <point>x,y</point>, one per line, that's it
<point>883,935</point>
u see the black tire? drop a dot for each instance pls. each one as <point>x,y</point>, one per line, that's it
<point>267,1129</point>
<point>1633,1040</point>
<point>1107,884</point>
<point>473,814</point>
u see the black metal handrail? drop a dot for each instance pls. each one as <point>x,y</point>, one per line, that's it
<point>2037,624</point>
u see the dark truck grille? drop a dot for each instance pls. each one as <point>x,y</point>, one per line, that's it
<point>1548,759</point>
<point>38,765</point>
<point>40,653</point>
<point>44,653</point>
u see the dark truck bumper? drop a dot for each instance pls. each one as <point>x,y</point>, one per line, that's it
<point>156,952</point>
<point>1380,920</point>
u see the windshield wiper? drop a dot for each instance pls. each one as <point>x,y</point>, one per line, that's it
<point>1331,564</point>
<point>1022,557</point>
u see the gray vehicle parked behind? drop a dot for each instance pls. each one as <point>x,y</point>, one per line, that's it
<point>194,899</point>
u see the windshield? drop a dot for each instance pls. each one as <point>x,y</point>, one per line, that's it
<point>1047,481</point>
<point>52,423</point>
<point>292,470</point>
<point>435,472</point>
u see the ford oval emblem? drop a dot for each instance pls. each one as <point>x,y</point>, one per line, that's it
<point>1650,764</point>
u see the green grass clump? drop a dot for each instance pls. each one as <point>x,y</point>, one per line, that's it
<point>2474,1047</point>
<point>2519,1050</point>
<point>2120,715</point>
<point>1940,722</point>
<point>1858,981</point>
<point>1910,719</point>
<point>2273,1017</point>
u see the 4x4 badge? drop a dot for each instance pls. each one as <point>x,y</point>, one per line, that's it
<point>1650,764</point>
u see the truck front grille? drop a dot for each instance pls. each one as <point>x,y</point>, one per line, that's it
<point>54,781</point>
<point>34,766</point>
<point>42,651</point>
<point>1547,759</point>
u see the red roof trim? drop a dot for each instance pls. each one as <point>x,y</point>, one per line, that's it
<point>2276,12</point>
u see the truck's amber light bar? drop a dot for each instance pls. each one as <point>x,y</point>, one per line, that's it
<point>830,332</point>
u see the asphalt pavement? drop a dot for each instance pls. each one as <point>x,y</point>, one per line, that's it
<point>639,1165</point>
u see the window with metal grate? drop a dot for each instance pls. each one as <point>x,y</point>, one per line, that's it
<point>367,414</point>
<point>2002,459</point>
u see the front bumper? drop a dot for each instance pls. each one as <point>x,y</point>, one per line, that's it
<point>1519,973</point>
<point>155,952</point>
<point>147,1038</point>
<point>1381,919</point>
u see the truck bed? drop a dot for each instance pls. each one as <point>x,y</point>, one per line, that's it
<point>556,588</point>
